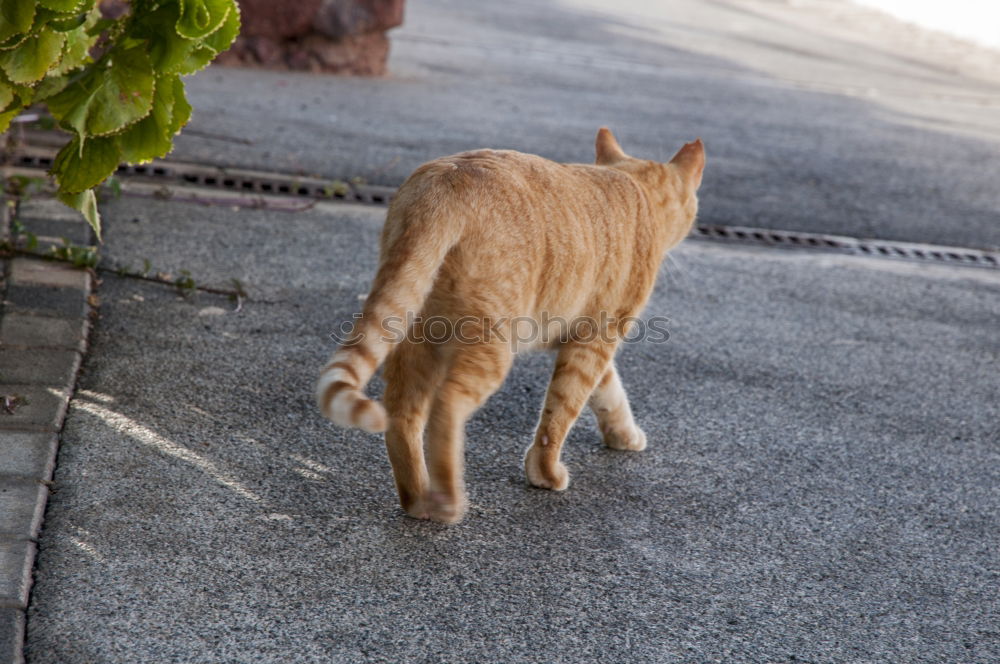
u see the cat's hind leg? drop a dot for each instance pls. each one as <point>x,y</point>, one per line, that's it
<point>475,372</point>
<point>413,373</point>
<point>578,368</point>
<point>614,416</point>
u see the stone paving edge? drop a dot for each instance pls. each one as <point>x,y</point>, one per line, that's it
<point>44,326</point>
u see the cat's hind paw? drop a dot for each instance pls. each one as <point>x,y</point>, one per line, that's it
<point>634,440</point>
<point>440,507</point>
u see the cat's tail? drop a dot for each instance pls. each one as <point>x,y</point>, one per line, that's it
<point>418,235</point>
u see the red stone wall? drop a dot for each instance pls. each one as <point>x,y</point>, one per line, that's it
<point>337,36</point>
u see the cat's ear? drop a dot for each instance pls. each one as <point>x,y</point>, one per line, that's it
<point>608,150</point>
<point>690,161</point>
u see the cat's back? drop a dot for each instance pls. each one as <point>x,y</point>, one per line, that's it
<point>518,227</point>
<point>473,170</point>
<point>485,172</point>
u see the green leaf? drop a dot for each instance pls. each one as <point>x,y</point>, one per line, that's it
<point>71,22</point>
<point>197,59</point>
<point>29,62</point>
<point>14,41</point>
<point>49,86</point>
<point>45,16</point>
<point>151,137</point>
<point>78,167</point>
<point>6,95</point>
<point>67,5</point>
<point>6,117</point>
<point>167,49</point>
<point>86,203</point>
<point>76,52</point>
<point>200,18</point>
<point>108,98</point>
<point>223,38</point>
<point>182,109</point>
<point>101,24</point>
<point>25,94</point>
<point>15,18</point>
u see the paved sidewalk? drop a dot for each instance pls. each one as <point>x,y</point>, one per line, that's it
<point>43,333</point>
<point>820,483</point>
<point>821,478</point>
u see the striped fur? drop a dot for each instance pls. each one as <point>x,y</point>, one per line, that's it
<point>490,236</point>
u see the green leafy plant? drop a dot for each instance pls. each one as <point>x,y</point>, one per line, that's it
<point>19,237</point>
<point>23,187</point>
<point>75,254</point>
<point>336,188</point>
<point>185,283</point>
<point>115,84</point>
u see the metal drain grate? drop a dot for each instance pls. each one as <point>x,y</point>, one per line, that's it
<point>238,180</point>
<point>277,184</point>
<point>848,245</point>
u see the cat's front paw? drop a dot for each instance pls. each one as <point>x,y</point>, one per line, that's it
<point>633,440</point>
<point>543,473</point>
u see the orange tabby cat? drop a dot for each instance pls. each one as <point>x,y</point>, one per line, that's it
<point>489,244</point>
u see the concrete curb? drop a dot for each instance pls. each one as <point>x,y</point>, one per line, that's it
<point>44,326</point>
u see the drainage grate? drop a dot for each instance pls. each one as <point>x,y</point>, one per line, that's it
<point>848,245</point>
<point>238,180</point>
<point>277,184</point>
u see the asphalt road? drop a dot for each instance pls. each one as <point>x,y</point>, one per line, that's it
<point>816,118</point>
<point>820,484</point>
<point>821,478</point>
